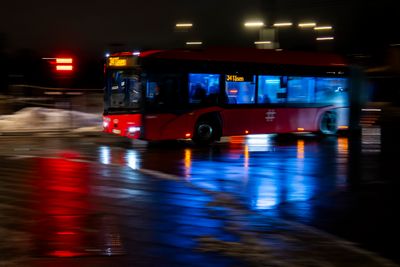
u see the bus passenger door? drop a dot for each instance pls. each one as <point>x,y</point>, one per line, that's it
<point>239,110</point>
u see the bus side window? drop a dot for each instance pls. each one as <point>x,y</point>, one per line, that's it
<point>270,89</point>
<point>232,95</point>
<point>203,88</point>
<point>172,92</point>
<point>198,93</point>
<point>240,91</point>
<point>154,93</point>
<point>164,91</point>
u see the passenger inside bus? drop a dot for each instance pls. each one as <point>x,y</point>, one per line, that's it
<point>265,99</point>
<point>154,94</point>
<point>198,93</point>
<point>158,99</point>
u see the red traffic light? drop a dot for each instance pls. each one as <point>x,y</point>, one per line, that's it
<point>64,65</point>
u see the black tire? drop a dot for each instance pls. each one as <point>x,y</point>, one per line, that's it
<point>328,124</point>
<point>205,132</point>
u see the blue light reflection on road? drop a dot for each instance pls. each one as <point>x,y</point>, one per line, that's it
<point>261,171</point>
<point>265,173</point>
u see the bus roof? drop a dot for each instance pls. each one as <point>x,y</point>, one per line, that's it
<point>249,55</point>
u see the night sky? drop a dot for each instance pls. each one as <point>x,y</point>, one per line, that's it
<point>49,26</point>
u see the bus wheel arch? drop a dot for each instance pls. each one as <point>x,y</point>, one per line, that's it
<point>207,129</point>
<point>328,123</point>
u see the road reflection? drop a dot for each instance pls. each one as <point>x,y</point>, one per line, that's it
<point>264,172</point>
<point>67,222</point>
<point>62,190</point>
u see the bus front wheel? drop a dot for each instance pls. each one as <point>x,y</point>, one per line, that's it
<point>328,123</point>
<point>206,132</point>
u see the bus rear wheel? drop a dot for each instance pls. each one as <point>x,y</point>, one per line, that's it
<point>328,124</point>
<point>205,132</point>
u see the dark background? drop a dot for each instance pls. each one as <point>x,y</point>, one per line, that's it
<point>365,31</point>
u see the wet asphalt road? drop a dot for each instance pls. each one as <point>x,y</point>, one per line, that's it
<point>346,187</point>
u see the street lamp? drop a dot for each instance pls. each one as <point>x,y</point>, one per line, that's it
<point>327,38</point>
<point>282,24</point>
<point>254,24</point>
<point>322,28</point>
<point>307,24</point>
<point>184,25</point>
<point>194,43</point>
<point>268,35</point>
<point>262,42</point>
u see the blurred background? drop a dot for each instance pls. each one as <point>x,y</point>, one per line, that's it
<point>34,33</point>
<point>52,57</point>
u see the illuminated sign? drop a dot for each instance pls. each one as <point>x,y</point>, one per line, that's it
<point>239,78</point>
<point>234,78</point>
<point>117,62</point>
<point>121,62</point>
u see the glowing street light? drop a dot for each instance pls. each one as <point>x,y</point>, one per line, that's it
<point>327,38</point>
<point>194,43</point>
<point>266,34</point>
<point>262,42</point>
<point>184,25</point>
<point>323,28</point>
<point>254,24</point>
<point>283,24</point>
<point>307,24</point>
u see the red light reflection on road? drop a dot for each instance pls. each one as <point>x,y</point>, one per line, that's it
<point>62,204</point>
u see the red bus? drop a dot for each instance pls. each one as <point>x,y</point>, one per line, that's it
<point>209,93</point>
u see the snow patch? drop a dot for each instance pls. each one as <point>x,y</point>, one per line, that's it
<point>37,118</point>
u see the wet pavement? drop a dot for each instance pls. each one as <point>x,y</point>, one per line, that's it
<point>64,210</point>
<point>255,201</point>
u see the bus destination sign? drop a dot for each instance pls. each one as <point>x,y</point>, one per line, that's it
<point>238,78</point>
<point>121,62</point>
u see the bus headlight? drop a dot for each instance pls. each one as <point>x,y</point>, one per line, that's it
<point>133,129</point>
<point>106,122</point>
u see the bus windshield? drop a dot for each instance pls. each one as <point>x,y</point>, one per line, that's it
<point>123,90</point>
